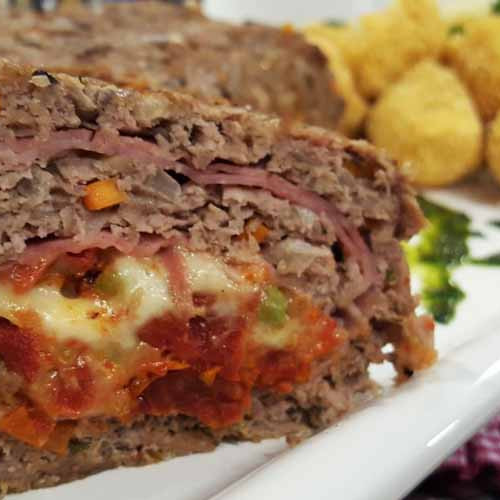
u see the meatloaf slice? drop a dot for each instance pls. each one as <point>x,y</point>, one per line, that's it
<point>154,45</point>
<point>174,274</point>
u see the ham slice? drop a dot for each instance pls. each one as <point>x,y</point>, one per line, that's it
<point>49,251</point>
<point>39,256</point>
<point>24,151</point>
<point>348,235</point>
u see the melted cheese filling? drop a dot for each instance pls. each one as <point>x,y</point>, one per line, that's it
<point>144,294</point>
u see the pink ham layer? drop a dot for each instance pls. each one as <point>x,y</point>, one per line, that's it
<point>24,151</point>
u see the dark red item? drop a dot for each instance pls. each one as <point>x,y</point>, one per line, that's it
<point>482,451</point>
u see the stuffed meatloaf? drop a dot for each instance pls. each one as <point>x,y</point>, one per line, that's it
<point>153,45</point>
<point>174,274</point>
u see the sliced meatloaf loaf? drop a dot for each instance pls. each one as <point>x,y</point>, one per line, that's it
<point>154,45</point>
<point>174,274</point>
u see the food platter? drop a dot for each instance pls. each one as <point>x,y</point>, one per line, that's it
<point>381,451</point>
<point>385,448</point>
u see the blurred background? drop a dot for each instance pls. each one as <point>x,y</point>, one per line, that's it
<point>301,13</point>
<point>276,12</point>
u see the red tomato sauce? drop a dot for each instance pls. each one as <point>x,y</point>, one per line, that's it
<point>244,367</point>
<point>203,342</point>
<point>20,350</point>
<point>200,365</point>
<point>221,404</point>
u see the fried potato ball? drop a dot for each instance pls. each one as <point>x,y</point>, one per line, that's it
<point>493,148</point>
<point>394,40</point>
<point>474,52</point>
<point>429,120</point>
<point>355,107</point>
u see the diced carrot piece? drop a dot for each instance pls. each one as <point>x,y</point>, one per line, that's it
<point>208,376</point>
<point>103,194</point>
<point>177,365</point>
<point>313,315</point>
<point>151,371</point>
<point>284,387</point>
<point>136,83</point>
<point>28,425</point>
<point>256,273</point>
<point>60,437</point>
<point>261,233</point>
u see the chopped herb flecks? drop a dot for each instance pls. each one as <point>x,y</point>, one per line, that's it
<point>390,277</point>
<point>441,295</point>
<point>444,241</point>
<point>456,29</point>
<point>274,307</point>
<point>77,446</point>
<point>440,248</point>
<point>335,23</point>
<point>491,260</point>
<point>108,283</point>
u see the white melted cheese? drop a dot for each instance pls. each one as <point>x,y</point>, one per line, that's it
<point>144,294</point>
<point>207,274</point>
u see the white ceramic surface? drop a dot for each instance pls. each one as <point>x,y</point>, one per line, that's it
<point>380,452</point>
<point>300,12</point>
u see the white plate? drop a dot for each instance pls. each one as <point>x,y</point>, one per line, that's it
<point>380,452</point>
